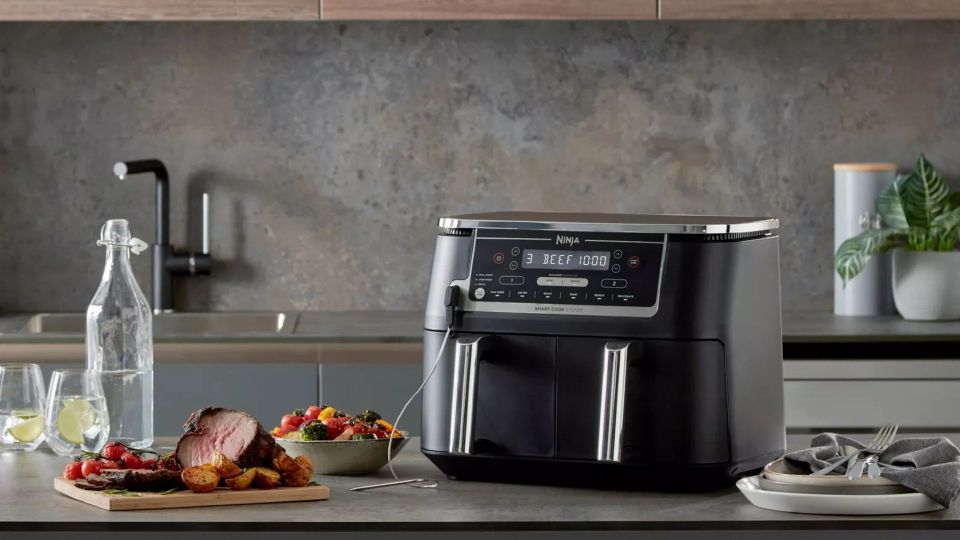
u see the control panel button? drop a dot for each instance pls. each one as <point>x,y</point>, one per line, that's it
<point>511,280</point>
<point>515,251</point>
<point>514,265</point>
<point>599,297</point>
<point>479,293</point>
<point>633,261</point>
<point>614,284</point>
<point>574,282</point>
<point>521,294</point>
<point>499,257</point>
<point>618,254</point>
<point>549,281</point>
<point>575,297</point>
<point>549,296</point>
<point>615,268</point>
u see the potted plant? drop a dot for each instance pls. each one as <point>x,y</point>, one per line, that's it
<point>920,223</point>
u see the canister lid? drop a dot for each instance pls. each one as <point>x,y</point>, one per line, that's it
<point>865,167</point>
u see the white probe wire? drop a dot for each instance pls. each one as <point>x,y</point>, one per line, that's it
<point>414,482</point>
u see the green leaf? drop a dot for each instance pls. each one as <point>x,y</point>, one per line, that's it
<point>955,199</point>
<point>924,195</point>
<point>890,204</point>
<point>852,255</point>
<point>946,230</point>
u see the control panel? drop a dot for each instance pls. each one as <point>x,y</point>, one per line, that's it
<point>551,268</point>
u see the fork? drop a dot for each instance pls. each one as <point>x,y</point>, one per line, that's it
<point>880,443</point>
<point>849,461</point>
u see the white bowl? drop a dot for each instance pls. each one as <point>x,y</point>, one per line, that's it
<point>344,457</point>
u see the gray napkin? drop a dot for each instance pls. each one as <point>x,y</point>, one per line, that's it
<point>930,465</point>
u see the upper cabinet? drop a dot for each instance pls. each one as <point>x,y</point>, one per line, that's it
<point>487,9</point>
<point>809,9</point>
<point>344,10</point>
<point>159,10</point>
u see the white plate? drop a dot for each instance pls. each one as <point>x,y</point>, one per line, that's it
<point>847,505</point>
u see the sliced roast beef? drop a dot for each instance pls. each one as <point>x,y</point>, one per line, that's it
<point>142,479</point>
<point>234,433</point>
<point>132,480</point>
<point>93,482</point>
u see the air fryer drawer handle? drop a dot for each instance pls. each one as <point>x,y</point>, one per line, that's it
<point>612,395</point>
<point>464,397</point>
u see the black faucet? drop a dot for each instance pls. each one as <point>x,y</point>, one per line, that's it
<point>166,262</point>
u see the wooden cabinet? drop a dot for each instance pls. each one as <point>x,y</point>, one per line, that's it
<point>158,10</point>
<point>335,10</point>
<point>342,10</point>
<point>809,9</point>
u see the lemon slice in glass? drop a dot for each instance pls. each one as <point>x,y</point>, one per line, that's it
<point>76,417</point>
<point>28,430</point>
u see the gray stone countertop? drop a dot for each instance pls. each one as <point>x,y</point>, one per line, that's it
<point>381,326</point>
<point>29,503</point>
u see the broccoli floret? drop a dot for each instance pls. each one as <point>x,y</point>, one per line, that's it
<point>369,416</point>
<point>314,430</point>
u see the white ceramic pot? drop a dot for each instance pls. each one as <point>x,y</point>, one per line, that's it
<point>926,284</point>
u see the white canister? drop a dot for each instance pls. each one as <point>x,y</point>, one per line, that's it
<point>855,190</point>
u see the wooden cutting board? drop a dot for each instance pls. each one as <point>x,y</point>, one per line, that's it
<point>186,499</point>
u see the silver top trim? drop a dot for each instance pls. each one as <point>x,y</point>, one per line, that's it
<point>628,223</point>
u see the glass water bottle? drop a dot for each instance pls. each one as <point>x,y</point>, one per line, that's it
<point>120,340</point>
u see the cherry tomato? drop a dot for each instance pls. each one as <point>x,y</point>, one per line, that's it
<point>291,421</point>
<point>110,464</point>
<point>148,464</point>
<point>312,413</point>
<point>280,431</point>
<point>335,426</point>
<point>72,471</point>
<point>113,450</point>
<point>379,433</point>
<point>131,461</point>
<point>90,466</point>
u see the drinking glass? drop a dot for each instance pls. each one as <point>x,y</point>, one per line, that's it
<point>76,413</point>
<point>21,407</point>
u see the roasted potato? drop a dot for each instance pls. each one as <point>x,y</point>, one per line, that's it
<point>304,463</point>
<point>266,478</point>
<point>301,474</point>
<point>224,466</point>
<point>200,479</point>
<point>242,481</point>
<point>284,463</point>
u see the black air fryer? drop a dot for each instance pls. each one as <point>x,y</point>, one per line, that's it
<point>602,349</point>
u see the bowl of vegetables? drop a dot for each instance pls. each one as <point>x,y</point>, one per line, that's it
<point>337,442</point>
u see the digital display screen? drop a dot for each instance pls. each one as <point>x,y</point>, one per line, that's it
<point>566,260</point>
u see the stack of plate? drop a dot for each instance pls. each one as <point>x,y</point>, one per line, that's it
<point>790,489</point>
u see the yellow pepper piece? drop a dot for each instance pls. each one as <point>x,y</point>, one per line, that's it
<point>388,427</point>
<point>327,413</point>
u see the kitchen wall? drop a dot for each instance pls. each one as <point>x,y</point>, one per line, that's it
<point>329,150</point>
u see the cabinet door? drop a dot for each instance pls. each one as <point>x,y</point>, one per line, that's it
<point>158,10</point>
<point>809,9</point>
<point>487,9</point>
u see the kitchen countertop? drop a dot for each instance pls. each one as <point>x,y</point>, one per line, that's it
<point>407,327</point>
<point>395,337</point>
<point>28,503</point>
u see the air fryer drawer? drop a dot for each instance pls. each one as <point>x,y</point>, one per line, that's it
<point>675,401</point>
<point>515,408</point>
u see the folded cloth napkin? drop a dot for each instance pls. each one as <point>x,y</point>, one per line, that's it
<point>930,465</point>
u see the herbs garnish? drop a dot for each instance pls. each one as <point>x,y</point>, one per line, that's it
<point>123,492</point>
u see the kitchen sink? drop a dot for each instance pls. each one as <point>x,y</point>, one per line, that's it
<point>174,324</point>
